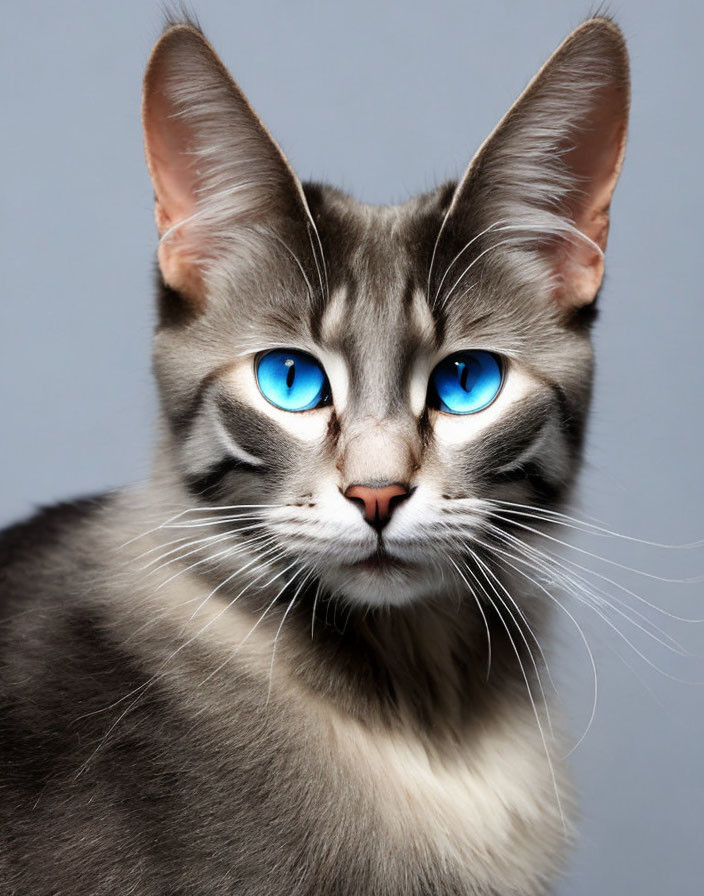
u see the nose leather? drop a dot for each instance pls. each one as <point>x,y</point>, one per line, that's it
<point>378,503</point>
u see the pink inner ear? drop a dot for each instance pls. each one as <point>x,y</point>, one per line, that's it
<point>168,145</point>
<point>595,162</point>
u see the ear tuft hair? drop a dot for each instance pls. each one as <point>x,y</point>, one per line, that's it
<point>181,13</point>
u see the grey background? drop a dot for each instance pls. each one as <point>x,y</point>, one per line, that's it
<point>384,99</point>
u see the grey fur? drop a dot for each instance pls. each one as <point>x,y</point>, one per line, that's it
<point>199,693</point>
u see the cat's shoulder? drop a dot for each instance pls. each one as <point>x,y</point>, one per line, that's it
<point>39,549</point>
<point>47,526</point>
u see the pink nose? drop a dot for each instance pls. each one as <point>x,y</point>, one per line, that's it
<point>378,502</point>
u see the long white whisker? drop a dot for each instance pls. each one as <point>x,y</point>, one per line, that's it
<point>594,592</point>
<point>574,547</point>
<point>260,619</point>
<point>483,614</point>
<point>166,544</point>
<point>209,522</point>
<point>256,559</point>
<point>530,694</point>
<point>315,604</point>
<point>298,263</point>
<point>190,542</point>
<point>597,609</point>
<point>586,526</point>
<point>486,572</point>
<point>278,631</point>
<point>326,289</point>
<point>214,540</point>
<point>524,618</point>
<point>595,680</point>
<point>235,548</point>
<point>565,228</point>
<point>461,252</point>
<point>471,265</point>
<point>166,523</point>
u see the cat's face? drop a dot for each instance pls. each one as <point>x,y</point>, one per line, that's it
<point>373,382</point>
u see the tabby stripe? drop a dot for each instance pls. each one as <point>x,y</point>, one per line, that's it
<point>514,438</point>
<point>181,422</point>
<point>205,484</point>
<point>523,467</point>
<point>531,474</point>
<point>529,442</point>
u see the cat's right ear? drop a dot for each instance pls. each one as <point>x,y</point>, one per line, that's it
<point>540,187</point>
<point>217,173</point>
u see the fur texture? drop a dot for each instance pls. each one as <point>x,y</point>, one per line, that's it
<point>227,681</point>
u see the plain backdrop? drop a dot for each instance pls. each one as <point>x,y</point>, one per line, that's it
<point>384,99</point>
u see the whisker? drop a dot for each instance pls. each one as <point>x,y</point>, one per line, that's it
<point>474,261</point>
<point>461,252</point>
<point>483,615</point>
<point>689,581</point>
<point>187,542</point>
<point>586,526</point>
<point>595,592</point>
<point>530,694</point>
<point>213,540</point>
<point>597,609</point>
<point>522,615</point>
<point>166,544</point>
<point>166,523</point>
<point>483,569</point>
<point>208,522</point>
<point>278,631</point>
<point>257,558</point>
<point>260,619</point>
<point>595,686</point>
<point>231,549</point>
<point>293,255</point>
<point>315,604</point>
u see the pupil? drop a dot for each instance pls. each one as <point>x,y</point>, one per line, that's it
<point>291,375</point>
<point>462,368</point>
<point>467,371</point>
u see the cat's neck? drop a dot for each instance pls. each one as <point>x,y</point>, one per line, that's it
<point>434,665</point>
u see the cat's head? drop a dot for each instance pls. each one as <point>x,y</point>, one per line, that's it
<point>365,385</point>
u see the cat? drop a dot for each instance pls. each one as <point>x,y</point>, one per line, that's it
<point>302,658</point>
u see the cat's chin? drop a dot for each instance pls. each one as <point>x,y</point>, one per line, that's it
<point>381,583</point>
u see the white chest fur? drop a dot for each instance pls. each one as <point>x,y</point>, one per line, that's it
<point>490,809</point>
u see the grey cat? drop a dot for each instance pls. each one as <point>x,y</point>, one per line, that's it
<point>302,659</point>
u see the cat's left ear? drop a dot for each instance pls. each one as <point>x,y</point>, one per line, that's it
<point>217,173</point>
<point>541,185</point>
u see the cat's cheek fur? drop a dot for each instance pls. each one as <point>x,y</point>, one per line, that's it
<point>331,529</point>
<point>209,442</point>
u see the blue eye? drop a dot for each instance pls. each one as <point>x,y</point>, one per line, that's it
<point>292,380</point>
<point>466,382</point>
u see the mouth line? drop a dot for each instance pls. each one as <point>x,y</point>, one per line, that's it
<point>380,561</point>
